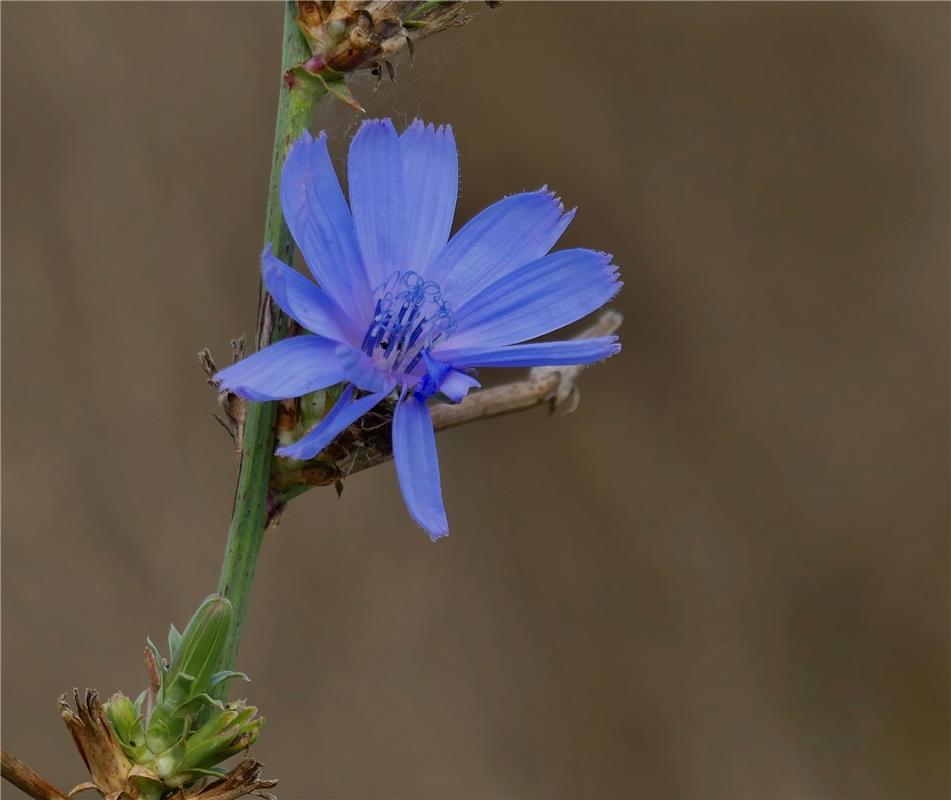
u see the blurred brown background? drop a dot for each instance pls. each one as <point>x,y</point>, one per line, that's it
<point>725,576</point>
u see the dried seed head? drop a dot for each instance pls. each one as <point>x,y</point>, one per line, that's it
<point>348,36</point>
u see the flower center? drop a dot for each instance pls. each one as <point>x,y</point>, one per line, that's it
<point>410,316</point>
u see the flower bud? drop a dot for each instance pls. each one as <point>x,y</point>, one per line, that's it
<point>188,678</point>
<point>197,654</point>
<point>230,730</point>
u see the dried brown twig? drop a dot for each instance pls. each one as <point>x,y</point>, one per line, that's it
<point>25,779</point>
<point>557,386</point>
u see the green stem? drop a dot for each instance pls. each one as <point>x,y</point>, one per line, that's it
<point>422,9</point>
<point>249,517</point>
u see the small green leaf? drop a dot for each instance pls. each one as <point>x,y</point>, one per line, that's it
<point>331,81</point>
<point>174,640</point>
<point>339,89</point>
<point>226,675</point>
<point>196,705</point>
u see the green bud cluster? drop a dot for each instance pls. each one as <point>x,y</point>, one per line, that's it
<point>177,731</point>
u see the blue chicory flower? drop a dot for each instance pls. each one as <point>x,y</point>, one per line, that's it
<point>402,307</point>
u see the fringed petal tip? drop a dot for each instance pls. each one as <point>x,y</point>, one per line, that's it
<point>603,348</point>
<point>426,134</point>
<point>229,380</point>
<point>436,535</point>
<point>435,524</point>
<point>418,126</point>
<point>564,216</point>
<point>611,271</point>
<point>304,140</point>
<point>613,274</point>
<point>374,125</point>
<point>304,155</point>
<point>550,196</point>
<point>606,258</point>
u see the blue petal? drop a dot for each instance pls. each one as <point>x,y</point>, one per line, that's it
<point>317,215</point>
<point>344,413</point>
<point>303,302</point>
<point>541,354</point>
<point>361,370</point>
<point>436,372</point>
<point>290,368</point>
<point>431,176</point>
<point>417,465</point>
<point>378,199</point>
<point>441,377</point>
<point>536,299</point>
<point>505,236</point>
<point>456,385</point>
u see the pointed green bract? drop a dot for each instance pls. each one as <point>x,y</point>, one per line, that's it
<point>174,639</point>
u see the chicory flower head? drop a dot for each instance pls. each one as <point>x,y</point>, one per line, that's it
<point>400,307</point>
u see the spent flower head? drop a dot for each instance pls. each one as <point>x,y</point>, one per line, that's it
<point>359,34</point>
<point>345,36</point>
<point>403,310</point>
